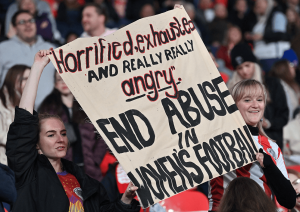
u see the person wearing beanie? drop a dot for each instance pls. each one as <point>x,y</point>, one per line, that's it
<point>276,112</point>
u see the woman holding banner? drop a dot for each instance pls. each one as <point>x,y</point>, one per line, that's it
<point>269,171</point>
<point>45,181</point>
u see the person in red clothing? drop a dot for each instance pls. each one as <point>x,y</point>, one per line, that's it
<point>233,37</point>
<point>269,172</point>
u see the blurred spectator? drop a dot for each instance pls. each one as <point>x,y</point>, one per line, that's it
<point>10,94</point>
<point>93,21</point>
<point>22,48</point>
<point>266,28</point>
<point>219,25</point>
<point>237,15</point>
<point>4,4</point>
<point>190,9</point>
<point>8,192</point>
<point>85,149</point>
<point>147,10</point>
<point>293,26</point>
<point>233,37</point>
<point>291,139</point>
<point>285,71</point>
<point>69,17</point>
<point>45,22</point>
<point>293,4</point>
<point>295,180</point>
<point>71,36</point>
<point>276,111</point>
<point>244,194</point>
<point>206,8</point>
<point>137,9</point>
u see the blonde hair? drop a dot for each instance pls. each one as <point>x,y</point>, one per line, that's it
<point>249,86</point>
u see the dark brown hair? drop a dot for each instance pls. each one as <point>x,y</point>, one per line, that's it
<point>14,18</point>
<point>245,195</point>
<point>99,9</point>
<point>292,171</point>
<point>10,84</point>
<point>281,70</point>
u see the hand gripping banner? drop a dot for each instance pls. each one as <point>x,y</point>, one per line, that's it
<point>154,94</point>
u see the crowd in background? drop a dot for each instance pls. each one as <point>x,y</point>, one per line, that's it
<point>270,28</point>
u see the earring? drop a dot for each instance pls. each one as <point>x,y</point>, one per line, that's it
<point>261,120</point>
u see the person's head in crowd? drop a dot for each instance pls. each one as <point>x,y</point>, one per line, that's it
<point>284,70</point>
<point>260,7</point>
<point>233,37</point>
<point>292,3</point>
<point>295,180</point>
<point>244,194</point>
<point>147,10</point>
<point>55,100</point>
<point>190,9</point>
<point>250,97</point>
<point>24,23</point>
<point>292,16</point>
<point>13,85</point>
<point>220,11</point>
<point>245,63</point>
<point>241,6</point>
<point>71,37</point>
<point>291,56</point>
<point>93,19</point>
<point>29,5</point>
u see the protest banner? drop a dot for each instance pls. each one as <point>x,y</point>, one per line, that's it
<point>154,94</point>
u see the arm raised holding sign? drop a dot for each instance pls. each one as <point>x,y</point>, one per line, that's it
<point>45,181</point>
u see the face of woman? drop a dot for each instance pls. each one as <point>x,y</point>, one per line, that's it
<point>53,141</point>
<point>60,85</point>
<point>294,180</point>
<point>252,107</point>
<point>246,70</point>
<point>24,79</point>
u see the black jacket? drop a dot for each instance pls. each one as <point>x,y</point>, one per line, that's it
<point>8,191</point>
<point>38,186</point>
<point>277,111</point>
<point>269,35</point>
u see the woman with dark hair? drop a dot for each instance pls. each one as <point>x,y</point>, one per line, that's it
<point>245,195</point>
<point>10,94</point>
<point>86,148</point>
<point>269,171</point>
<point>285,71</point>
<point>36,146</point>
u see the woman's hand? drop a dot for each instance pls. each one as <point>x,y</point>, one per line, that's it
<point>177,6</point>
<point>260,159</point>
<point>41,59</point>
<point>129,194</point>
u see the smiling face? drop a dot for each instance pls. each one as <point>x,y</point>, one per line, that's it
<point>296,184</point>
<point>252,105</point>
<point>246,70</point>
<point>53,141</point>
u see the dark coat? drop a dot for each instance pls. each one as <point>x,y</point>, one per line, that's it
<point>8,192</point>
<point>38,186</point>
<point>269,35</point>
<point>277,111</point>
